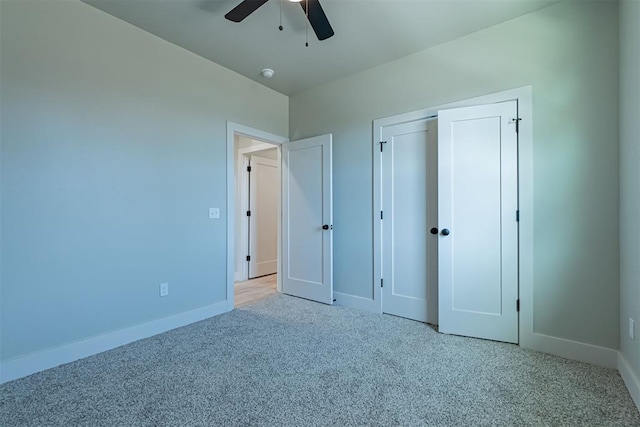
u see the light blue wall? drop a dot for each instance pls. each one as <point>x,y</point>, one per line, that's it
<point>630,182</point>
<point>113,145</point>
<point>568,53</point>
<point>113,149</point>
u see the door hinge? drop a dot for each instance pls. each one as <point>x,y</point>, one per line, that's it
<point>517,305</point>
<point>381,282</point>
<point>248,258</point>
<point>517,122</point>
<point>248,168</point>
<point>381,215</point>
<point>381,145</point>
<point>248,213</point>
<point>517,216</point>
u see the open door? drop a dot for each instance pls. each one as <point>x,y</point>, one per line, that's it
<point>307,236</point>
<point>477,216</point>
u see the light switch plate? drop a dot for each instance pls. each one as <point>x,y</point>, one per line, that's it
<point>632,328</point>
<point>164,289</point>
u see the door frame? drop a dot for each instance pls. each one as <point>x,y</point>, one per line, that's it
<point>249,132</point>
<point>525,197</point>
<point>243,187</point>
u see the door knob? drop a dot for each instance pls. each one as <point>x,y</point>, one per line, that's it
<point>325,227</point>
<point>445,231</point>
<point>434,230</point>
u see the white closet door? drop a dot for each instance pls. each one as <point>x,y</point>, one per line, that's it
<point>477,204</point>
<point>409,209</point>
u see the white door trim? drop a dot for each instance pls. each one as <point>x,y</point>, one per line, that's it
<point>249,132</point>
<point>525,196</point>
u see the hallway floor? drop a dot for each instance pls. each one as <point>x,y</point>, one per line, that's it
<point>254,290</point>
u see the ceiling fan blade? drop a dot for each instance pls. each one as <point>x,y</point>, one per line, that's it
<point>244,9</point>
<point>318,19</point>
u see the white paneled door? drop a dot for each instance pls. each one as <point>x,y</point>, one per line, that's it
<point>409,211</point>
<point>477,205</point>
<point>307,219</point>
<point>264,197</point>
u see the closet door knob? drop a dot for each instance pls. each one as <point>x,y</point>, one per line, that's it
<point>325,227</point>
<point>445,232</point>
<point>434,230</point>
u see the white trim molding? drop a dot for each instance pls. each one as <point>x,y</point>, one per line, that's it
<point>36,362</point>
<point>630,379</point>
<point>575,350</point>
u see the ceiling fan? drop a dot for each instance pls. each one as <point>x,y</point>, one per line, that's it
<point>315,14</point>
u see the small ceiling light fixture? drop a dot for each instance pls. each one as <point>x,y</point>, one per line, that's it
<point>267,73</point>
<point>295,1</point>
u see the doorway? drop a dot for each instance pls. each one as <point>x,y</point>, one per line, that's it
<point>304,214</point>
<point>242,142</point>
<point>257,201</point>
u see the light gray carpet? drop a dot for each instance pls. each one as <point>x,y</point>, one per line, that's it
<point>286,361</point>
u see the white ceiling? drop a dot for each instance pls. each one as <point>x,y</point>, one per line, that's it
<point>367,32</point>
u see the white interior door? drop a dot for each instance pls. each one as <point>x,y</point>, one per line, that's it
<point>477,204</point>
<point>264,197</point>
<point>409,177</point>
<point>307,244</point>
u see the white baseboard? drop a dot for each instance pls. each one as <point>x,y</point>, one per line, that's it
<point>360,303</point>
<point>575,350</point>
<point>36,362</point>
<point>631,379</point>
